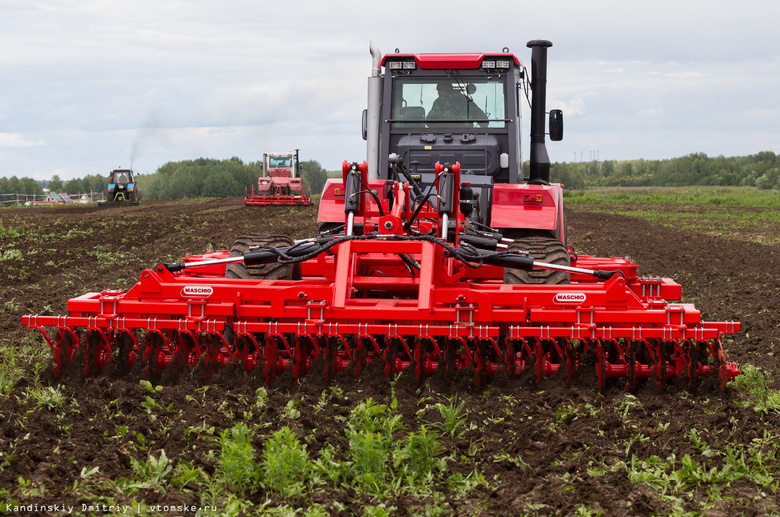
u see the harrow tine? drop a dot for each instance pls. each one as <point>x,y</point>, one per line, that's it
<point>662,363</point>
<point>601,366</point>
<point>509,355</point>
<point>451,347</point>
<point>571,361</point>
<point>692,360</point>
<point>631,378</point>
<point>270,359</point>
<point>66,342</point>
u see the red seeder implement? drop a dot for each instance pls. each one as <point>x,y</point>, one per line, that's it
<point>414,290</point>
<point>276,196</point>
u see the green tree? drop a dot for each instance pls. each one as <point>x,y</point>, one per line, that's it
<point>313,176</point>
<point>73,186</point>
<point>769,180</point>
<point>13,185</point>
<point>55,185</point>
<point>29,186</point>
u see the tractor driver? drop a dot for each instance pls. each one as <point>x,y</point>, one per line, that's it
<point>452,105</point>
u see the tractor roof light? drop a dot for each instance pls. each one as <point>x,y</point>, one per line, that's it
<point>488,63</point>
<point>502,63</point>
<point>402,65</point>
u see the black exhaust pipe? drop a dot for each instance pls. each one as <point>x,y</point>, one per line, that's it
<point>540,161</point>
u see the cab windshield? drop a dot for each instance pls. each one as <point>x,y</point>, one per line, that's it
<point>280,162</point>
<point>449,103</point>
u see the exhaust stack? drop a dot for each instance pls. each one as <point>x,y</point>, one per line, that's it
<point>540,161</point>
<point>371,120</point>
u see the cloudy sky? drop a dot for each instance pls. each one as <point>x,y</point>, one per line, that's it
<point>86,86</point>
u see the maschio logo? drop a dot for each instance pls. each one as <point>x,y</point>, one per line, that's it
<point>197,290</point>
<point>570,298</point>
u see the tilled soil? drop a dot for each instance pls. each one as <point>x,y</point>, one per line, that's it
<point>533,459</point>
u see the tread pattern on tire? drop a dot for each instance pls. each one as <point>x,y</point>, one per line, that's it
<point>543,249</point>
<point>274,271</point>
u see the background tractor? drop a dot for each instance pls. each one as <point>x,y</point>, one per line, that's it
<point>122,189</point>
<point>280,184</point>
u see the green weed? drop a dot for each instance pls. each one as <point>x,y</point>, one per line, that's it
<point>46,397</point>
<point>154,471</point>
<point>761,397</point>
<point>285,463</point>
<point>12,254</point>
<point>454,417</point>
<point>10,233</point>
<point>237,465</point>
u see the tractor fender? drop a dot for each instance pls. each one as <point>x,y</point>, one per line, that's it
<point>538,207</point>
<point>331,209</point>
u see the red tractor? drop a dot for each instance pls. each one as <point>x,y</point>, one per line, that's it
<point>280,184</point>
<point>437,254</point>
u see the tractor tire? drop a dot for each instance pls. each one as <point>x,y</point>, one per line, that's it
<point>543,249</point>
<point>274,271</point>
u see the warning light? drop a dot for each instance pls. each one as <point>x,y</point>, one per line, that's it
<point>533,198</point>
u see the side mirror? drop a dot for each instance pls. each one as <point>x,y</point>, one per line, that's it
<point>365,124</point>
<point>556,125</point>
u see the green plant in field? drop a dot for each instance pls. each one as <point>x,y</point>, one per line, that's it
<point>285,464</point>
<point>12,254</point>
<point>454,417</point>
<point>9,371</point>
<point>629,402</point>
<point>369,452</point>
<point>10,233</point>
<point>77,232</point>
<point>416,459</point>
<point>107,258</point>
<point>517,461</point>
<point>382,511</point>
<point>566,414</point>
<point>372,417</point>
<point>237,466</point>
<point>757,462</point>
<point>149,404</point>
<point>13,356</point>
<point>154,471</point>
<point>11,305</point>
<point>29,489</point>
<point>761,397</point>
<point>46,397</point>
<point>290,411</point>
<point>261,396</point>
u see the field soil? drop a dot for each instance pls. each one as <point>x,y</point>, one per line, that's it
<point>544,449</point>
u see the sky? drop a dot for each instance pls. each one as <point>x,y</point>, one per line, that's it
<point>87,86</point>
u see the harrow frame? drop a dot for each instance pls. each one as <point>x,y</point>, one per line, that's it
<point>358,301</point>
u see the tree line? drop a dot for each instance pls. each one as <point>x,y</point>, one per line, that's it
<point>207,177</point>
<point>760,170</point>
<point>203,177</point>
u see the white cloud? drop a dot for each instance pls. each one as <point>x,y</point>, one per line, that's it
<point>17,140</point>
<point>90,85</point>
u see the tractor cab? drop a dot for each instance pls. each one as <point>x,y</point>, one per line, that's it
<point>280,162</point>
<point>463,109</point>
<point>452,108</point>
